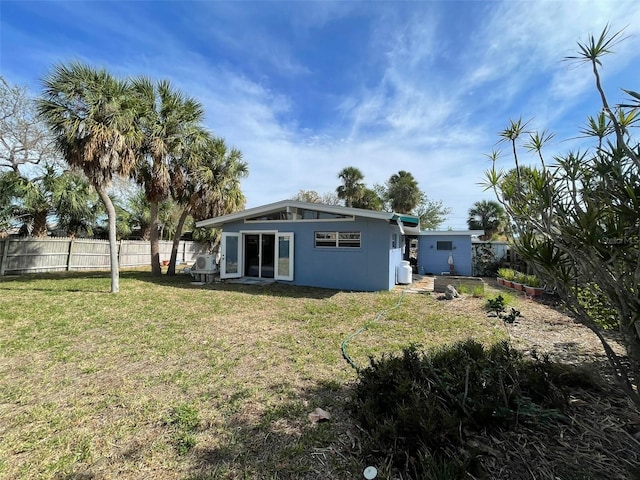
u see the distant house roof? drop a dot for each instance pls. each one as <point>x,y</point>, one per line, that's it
<point>410,223</point>
<point>448,233</point>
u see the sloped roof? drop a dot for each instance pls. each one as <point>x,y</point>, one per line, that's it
<point>216,222</point>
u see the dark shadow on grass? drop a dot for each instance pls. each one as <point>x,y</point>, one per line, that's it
<point>181,280</point>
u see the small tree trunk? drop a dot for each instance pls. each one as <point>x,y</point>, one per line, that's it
<point>176,241</point>
<point>154,240</point>
<point>113,243</point>
<point>40,224</point>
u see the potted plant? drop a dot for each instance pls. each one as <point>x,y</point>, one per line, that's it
<point>519,281</point>
<point>507,276</point>
<point>500,278</point>
<point>533,286</point>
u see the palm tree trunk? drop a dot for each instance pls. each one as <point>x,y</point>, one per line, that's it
<point>154,240</point>
<point>176,241</point>
<point>40,224</point>
<point>113,243</point>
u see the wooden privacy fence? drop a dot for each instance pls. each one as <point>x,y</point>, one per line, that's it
<point>29,255</point>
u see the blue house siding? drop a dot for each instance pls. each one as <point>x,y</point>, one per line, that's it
<point>370,267</point>
<point>432,260</point>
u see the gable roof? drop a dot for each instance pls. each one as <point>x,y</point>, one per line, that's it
<point>410,221</point>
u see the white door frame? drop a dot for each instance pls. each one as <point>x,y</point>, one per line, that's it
<point>289,276</point>
<point>223,255</point>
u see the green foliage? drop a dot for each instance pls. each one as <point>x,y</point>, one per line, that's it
<point>597,305</point>
<point>532,281</point>
<point>576,219</point>
<point>185,422</point>
<point>487,215</point>
<point>414,406</point>
<point>507,274</point>
<point>495,305</point>
<point>352,185</point>
<point>520,278</point>
<point>403,193</point>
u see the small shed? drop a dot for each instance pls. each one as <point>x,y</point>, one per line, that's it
<point>445,252</point>
<point>314,244</point>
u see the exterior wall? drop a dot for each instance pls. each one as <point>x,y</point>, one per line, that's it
<point>433,261</point>
<point>367,268</point>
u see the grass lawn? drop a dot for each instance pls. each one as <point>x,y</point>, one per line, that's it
<point>174,381</point>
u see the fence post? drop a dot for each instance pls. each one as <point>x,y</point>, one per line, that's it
<point>5,253</point>
<point>70,254</point>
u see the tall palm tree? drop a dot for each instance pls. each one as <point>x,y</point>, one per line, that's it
<point>212,187</point>
<point>169,121</point>
<point>91,116</point>
<point>352,186</point>
<point>487,215</point>
<point>403,192</point>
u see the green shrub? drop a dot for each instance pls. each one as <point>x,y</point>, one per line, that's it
<point>414,406</point>
<point>520,277</point>
<point>533,281</point>
<point>598,308</point>
<point>507,273</point>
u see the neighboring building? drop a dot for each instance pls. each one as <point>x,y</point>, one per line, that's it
<point>314,245</point>
<point>437,249</point>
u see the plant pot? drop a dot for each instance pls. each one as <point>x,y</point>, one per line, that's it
<point>508,283</point>
<point>518,286</point>
<point>533,291</point>
<point>165,263</point>
<point>500,281</point>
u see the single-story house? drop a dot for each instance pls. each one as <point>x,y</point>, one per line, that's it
<point>315,245</point>
<point>439,252</point>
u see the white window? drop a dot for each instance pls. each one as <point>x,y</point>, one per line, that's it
<point>337,239</point>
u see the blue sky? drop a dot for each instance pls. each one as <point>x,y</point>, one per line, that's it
<point>304,89</point>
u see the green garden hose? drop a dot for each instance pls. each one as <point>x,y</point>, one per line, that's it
<point>346,341</point>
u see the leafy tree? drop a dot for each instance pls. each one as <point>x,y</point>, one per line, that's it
<point>309,196</point>
<point>403,192</point>
<point>432,213</point>
<point>24,138</point>
<point>352,186</point>
<point>577,219</point>
<point>487,215</point>
<point>169,121</point>
<point>91,115</point>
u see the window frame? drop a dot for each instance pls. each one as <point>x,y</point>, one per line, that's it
<point>335,239</point>
<point>448,242</point>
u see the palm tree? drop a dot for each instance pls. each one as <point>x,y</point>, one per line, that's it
<point>368,199</point>
<point>403,192</point>
<point>352,185</point>
<point>91,116</point>
<point>169,121</point>
<point>76,204</point>
<point>212,187</point>
<point>487,215</point>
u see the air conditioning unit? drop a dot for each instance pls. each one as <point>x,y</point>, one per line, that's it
<point>205,264</point>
